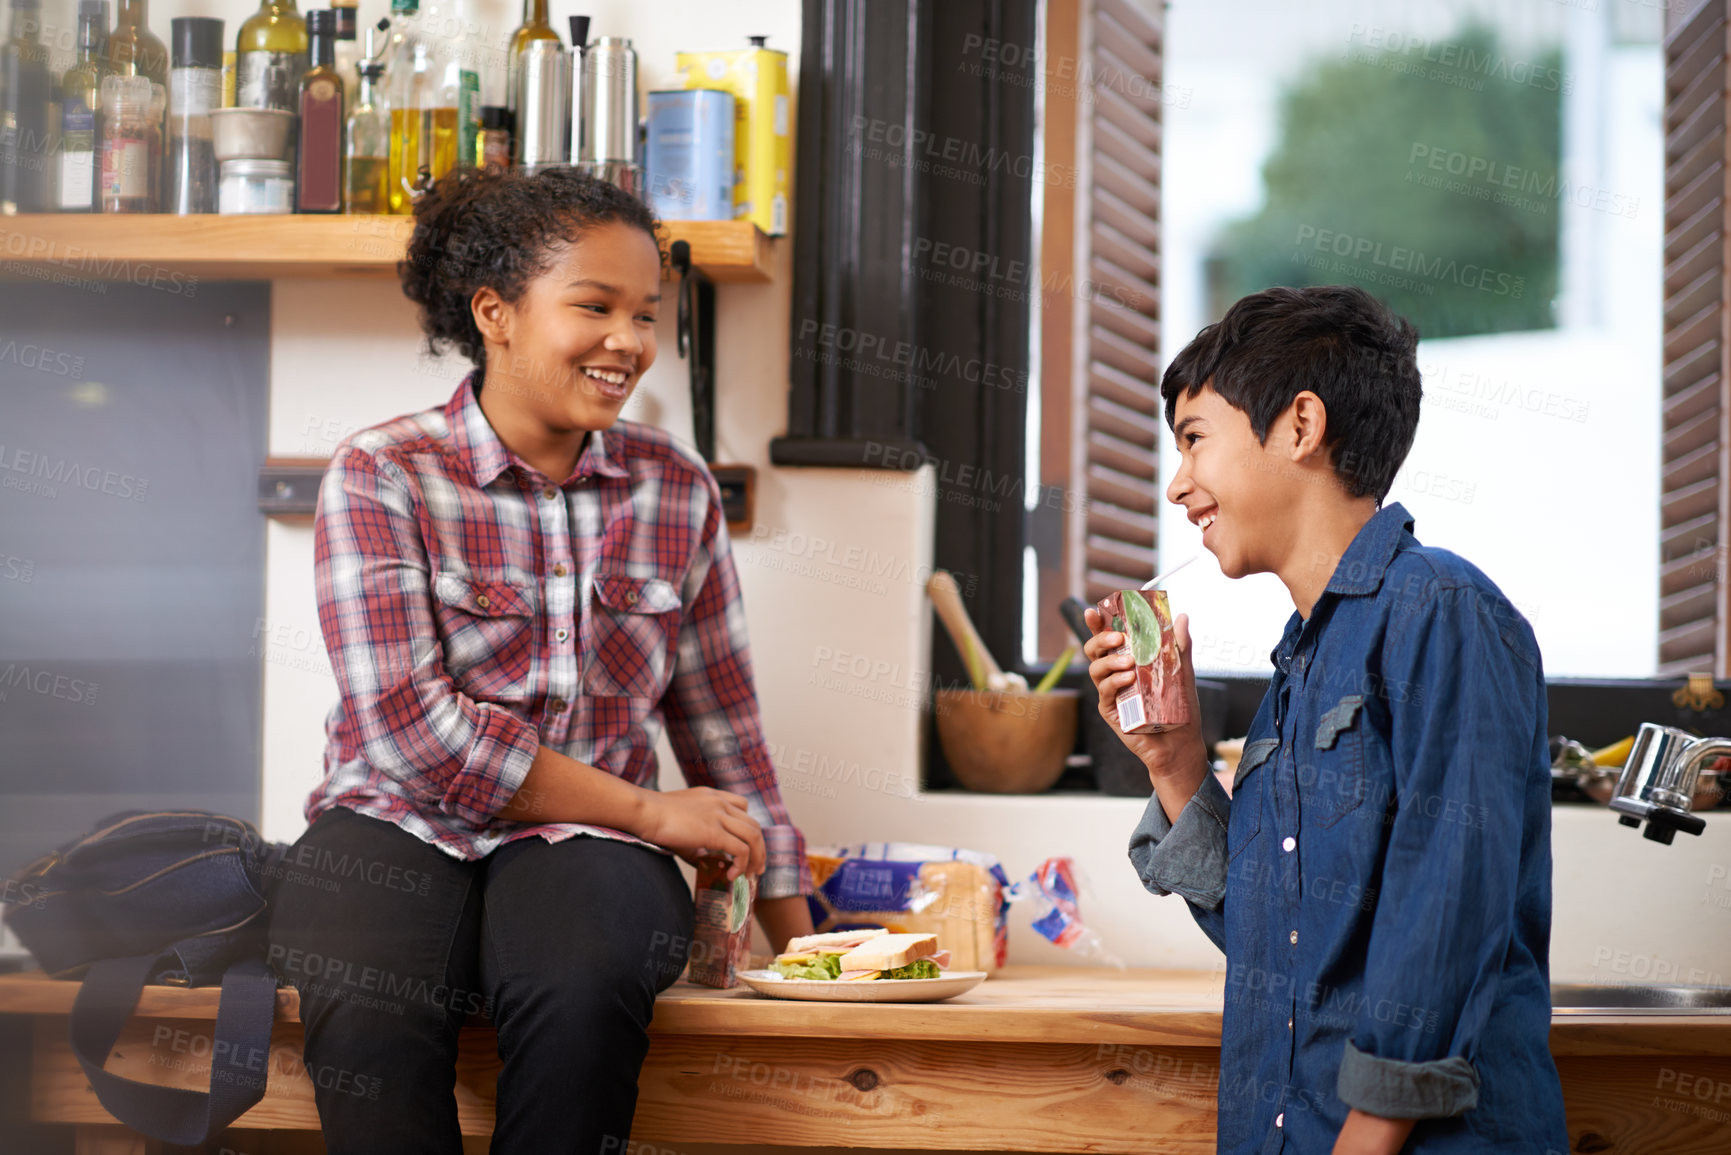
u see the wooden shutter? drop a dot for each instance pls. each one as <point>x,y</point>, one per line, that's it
<point>1100,272</point>
<point>1695,488</point>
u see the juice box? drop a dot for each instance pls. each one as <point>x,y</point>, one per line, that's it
<point>721,934</point>
<point>1157,701</point>
<point>762,134</point>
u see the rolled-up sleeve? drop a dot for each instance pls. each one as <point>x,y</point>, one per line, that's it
<point>713,720</point>
<point>466,758</point>
<point>1188,857</point>
<point>1462,749</point>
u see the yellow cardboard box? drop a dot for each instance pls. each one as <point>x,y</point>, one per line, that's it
<point>762,134</point>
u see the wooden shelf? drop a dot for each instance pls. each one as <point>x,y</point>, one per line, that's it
<point>127,247</point>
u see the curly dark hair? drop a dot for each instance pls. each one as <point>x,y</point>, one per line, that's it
<point>496,228</point>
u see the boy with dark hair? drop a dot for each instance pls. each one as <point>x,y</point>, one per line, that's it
<point>1380,876</point>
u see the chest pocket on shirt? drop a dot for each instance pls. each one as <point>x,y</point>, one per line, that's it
<point>487,631</point>
<point>1245,822</point>
<point>1332,786</point>
<point>629,636</point>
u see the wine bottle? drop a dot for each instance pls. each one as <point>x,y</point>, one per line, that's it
<point>80,100</point>
<point>319,169</point>
<point>26,91</point>
<point>133,50</point>
<point>270,56</point>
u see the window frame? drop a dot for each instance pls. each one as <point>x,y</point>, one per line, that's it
<point>848,243</point>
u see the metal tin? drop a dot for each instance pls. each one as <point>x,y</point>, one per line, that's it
<point>251,185</point>
<point>689,156</point>
<point>543,105</point>
<point>609,103</point>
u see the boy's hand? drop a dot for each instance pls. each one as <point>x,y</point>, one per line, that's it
<point>1177,750</point>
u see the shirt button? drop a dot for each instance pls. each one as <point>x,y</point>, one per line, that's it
<point>1280,1119</point>
<point>1288,843</point>
<point>1289,1024</point>
<point>559,570</point>
<point>549,493</point>
<point>631,597</point>
<point>483,601</point>
<point>1293,938</point>
<point>561,635</point>
<point>558,705</point>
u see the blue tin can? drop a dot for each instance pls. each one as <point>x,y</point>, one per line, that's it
<point>689,164</point>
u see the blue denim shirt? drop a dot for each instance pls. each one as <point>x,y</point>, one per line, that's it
<point>1380,878</point>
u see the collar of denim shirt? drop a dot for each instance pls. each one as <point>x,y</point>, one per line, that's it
<point>1358,573</point>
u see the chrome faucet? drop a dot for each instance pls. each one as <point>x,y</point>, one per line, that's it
<point>1661,780</point>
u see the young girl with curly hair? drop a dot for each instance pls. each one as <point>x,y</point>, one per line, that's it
<point>518,592</point>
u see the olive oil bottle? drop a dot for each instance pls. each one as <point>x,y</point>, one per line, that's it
<point>424,128</point>
<point>367,143</point>
<point>270,57</point>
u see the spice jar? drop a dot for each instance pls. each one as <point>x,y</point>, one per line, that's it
<point>252,185</point>
<point>132,114</point>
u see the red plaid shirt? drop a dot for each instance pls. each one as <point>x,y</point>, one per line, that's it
<point>473,611</point>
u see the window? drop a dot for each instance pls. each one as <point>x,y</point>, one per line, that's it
<point>1494,170</point>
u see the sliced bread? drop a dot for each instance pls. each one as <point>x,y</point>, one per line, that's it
<point>889,951</point>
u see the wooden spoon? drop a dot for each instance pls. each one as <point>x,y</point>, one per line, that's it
<point>947,600</point>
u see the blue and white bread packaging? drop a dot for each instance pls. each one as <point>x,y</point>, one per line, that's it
<point>690,159</point>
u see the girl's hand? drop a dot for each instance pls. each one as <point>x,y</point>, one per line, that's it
<point>702,822</point>
<point>1179,749</point>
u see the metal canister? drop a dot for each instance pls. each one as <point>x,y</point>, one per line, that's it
<point>543,106</point>
<point>608,139</point>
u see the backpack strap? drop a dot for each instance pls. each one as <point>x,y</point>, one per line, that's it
<point>240,1055</point>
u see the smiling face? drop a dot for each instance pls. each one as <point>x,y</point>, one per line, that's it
<point>1241,492</point>
<point>565,356</point>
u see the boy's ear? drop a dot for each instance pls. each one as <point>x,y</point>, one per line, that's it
<point>492,315</point>
<point>1309,417</point>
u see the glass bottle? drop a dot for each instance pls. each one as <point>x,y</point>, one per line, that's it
<point>194,90</point>
<point>457,60</point>
<point>134,51</point>
<point>26,92</point>
<point>423,118</point>
<point>366,163</point>
<point>348,49</point>
<point>535,26</point>
<point>493,146</point>
<point>319,158</point>
<point>131,144</point>
<point>80,101</point>
<point>270,55</point>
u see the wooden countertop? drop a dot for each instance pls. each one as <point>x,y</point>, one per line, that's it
<point>1017,1005</point>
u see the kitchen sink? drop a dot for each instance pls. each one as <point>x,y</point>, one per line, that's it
<point>1655,1000</point>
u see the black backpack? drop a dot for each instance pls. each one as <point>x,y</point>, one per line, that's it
<point>175,897</point>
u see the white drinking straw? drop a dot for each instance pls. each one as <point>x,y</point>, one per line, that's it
<point>1171,571</point>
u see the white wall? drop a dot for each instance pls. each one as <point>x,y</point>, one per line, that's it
<point>344,355</point>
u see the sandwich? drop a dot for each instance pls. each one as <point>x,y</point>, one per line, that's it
<point>862,956</point>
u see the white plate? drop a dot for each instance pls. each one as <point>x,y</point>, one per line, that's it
<point>949,985</point>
